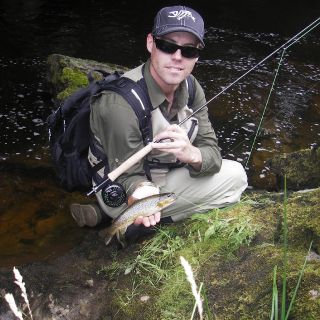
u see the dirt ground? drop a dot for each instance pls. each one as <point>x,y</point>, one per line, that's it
<point>68,287</point>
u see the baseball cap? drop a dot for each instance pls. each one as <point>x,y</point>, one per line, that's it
<point>178,18</point>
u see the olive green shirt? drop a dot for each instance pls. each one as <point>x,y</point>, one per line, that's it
<point>115,124</point>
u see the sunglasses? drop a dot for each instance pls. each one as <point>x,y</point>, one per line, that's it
<point>169,47</point>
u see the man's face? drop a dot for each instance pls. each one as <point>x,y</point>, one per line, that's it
<point>169,70</point>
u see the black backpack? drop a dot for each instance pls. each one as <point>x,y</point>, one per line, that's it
<point>69,127</point>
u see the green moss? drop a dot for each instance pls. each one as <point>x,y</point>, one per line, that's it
<point>159,260</point>
<point>304,219</point>
<point>242,288</point>
<point>67,74</point>
<point>73,79</point>
<point>234,260</point>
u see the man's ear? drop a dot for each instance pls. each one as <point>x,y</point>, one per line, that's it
<point>149,42</point>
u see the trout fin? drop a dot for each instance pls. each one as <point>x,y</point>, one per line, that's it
<point>120,234</point>
<point>107,234</point>
<point>120,237</point>
<point>108,239</point>
<point>110,232</point>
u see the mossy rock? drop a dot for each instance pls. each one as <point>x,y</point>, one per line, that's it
<point>241,288</point>
<point>67,74</point>
<point>301,168</point>
<point>304,219</point>
<point>239,285</point>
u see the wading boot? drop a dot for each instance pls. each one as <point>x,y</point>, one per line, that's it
<point>86,214</point>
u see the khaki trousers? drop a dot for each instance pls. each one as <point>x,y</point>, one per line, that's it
<point>197,195</point>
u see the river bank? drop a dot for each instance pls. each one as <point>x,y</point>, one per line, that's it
<point>232,252</point>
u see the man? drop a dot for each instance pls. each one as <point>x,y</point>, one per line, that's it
<point>187,159</point>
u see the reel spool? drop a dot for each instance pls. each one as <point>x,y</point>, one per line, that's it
<point>114,195</point>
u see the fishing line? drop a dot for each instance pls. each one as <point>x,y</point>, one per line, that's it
<point>286,45</point>
<point>301,35</point>
<point>273,84</point>
<point>283,47</point>
<point>275,114</point>
<point>265,108</point>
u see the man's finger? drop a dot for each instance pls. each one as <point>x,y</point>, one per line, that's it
<point>167,145</point>
<point>168,135</point>
<point>146,222</point>
<point>152,220</point>
<point>157,216</point>
<point>139,220</point>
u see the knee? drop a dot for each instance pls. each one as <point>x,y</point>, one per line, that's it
<point>236,174</point>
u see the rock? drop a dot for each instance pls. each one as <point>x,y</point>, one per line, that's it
<point>144,298</point>
<point>89,283</point>
<point>301,168</point>
<point>315,294</point>
<point>67,74</point>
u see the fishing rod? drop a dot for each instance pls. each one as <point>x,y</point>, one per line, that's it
<point>113,175</point>
<point>286,45</point>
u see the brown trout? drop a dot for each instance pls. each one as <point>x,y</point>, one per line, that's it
<point>142,207</point>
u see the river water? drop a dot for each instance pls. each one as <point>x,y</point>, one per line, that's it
<point>238,36</point>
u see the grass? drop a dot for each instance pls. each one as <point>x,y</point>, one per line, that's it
<point>284,312</point>
<point>156,265</point>
<point>156,268</point>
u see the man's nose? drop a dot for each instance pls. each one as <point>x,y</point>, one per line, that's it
<point>177,54</point>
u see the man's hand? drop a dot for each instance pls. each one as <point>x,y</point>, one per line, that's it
<point>149,221</point>
<point>140,193</point>
<point>179,145</point>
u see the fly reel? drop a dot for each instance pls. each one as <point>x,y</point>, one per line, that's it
<point>113,195</point>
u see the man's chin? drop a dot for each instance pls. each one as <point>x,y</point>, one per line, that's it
<point>174,80</point>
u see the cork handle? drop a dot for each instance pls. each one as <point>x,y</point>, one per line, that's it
<point>113,175</point>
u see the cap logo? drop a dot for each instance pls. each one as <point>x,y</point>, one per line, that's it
<point>181,14</point>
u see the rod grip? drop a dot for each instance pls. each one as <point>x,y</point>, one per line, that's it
<point>113,175</point>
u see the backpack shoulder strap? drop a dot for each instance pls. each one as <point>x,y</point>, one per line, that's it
<point>191,90</point>
<point>136,94</point>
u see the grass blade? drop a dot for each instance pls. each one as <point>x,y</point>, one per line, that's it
<point>298,284</point>
<point>285,254</point>
<point>274,308</point>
